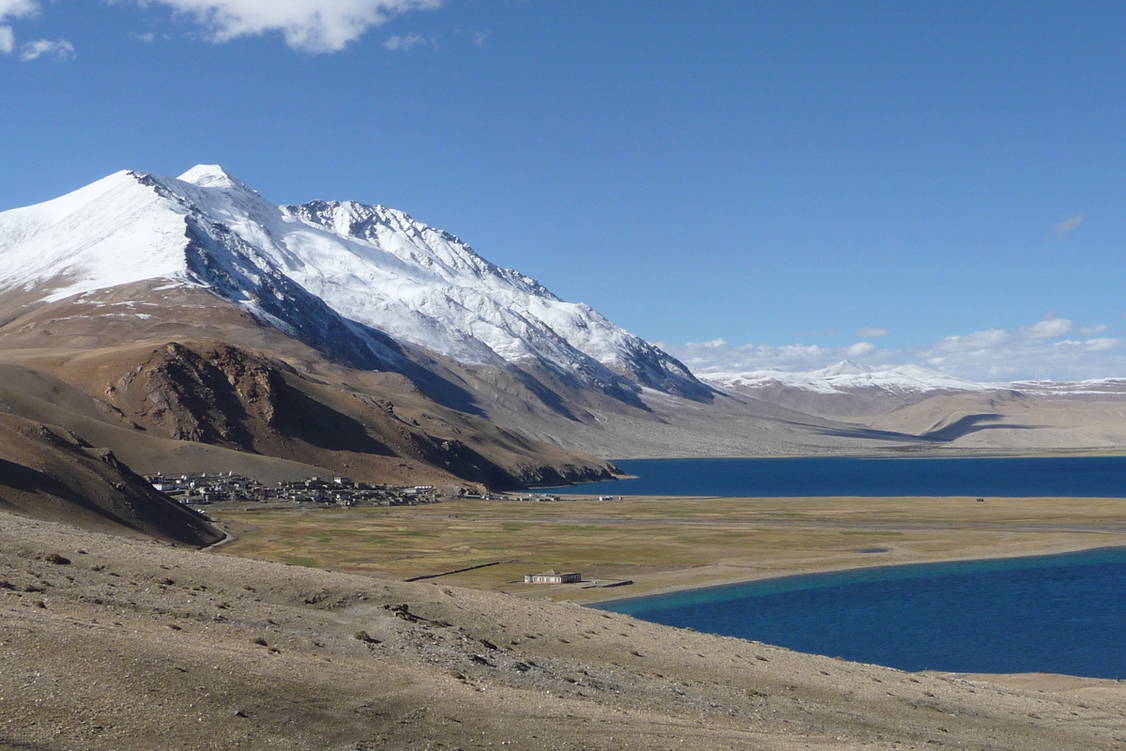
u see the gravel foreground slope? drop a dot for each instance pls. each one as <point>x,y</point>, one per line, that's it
<point>114,643</point>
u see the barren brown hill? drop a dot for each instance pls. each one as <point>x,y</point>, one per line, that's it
<point>1014,420</point>
<point>50,473</point>
<point>191,403</point>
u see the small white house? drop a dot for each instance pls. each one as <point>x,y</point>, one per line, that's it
<point>552,577</point>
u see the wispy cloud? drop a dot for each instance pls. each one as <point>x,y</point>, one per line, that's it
<point>17,8</point>
<point>1048,328</point>
<point>861,349</point>
<point>60,49</point>
<point>147,36</point>
<point>479,37</point>
<point>13,9</point>
<point>710,344</point>
<point>407,42</point>
<point>1069,225</point>
<point>869,331</point>
<point>711,357</point>
<point>1050,348</point>
<point>307,25</point>
<point>1027,352</point>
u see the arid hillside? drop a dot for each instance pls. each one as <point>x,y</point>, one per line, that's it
<point>252,399</point>
<point>112,643</point>
<point>50,473</point>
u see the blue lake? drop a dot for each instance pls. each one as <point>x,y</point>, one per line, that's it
<point>1057,614</point>
<point>1098,476</point>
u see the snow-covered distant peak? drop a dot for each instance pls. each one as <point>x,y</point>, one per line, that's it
<point>844,367</point>
<point>211,176</point>
<point>1092,387</point>
<point>846,377</point>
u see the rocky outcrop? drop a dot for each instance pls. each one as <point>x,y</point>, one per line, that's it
<point>215,393</point>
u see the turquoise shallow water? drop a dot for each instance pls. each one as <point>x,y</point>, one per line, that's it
<point>1057,614</point>
<point>1097,476</point>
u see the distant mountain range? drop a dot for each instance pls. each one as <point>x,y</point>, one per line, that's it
<point>189,324</point>
<point>944,410</point>
<point>848,389</point>
<point>847,377</point>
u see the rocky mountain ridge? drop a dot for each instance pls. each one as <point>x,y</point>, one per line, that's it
<point>340,276</point>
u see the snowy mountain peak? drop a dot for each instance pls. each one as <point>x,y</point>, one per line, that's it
<point>844,367</point>
<point>846,376</point>
<point>338,274</point>
<point>210,176</point>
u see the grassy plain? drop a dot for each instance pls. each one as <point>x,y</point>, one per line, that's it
<point>665,543</point>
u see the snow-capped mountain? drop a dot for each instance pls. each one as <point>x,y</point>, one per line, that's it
<point>341,276</point>
<point>846,389</point>
<point>846,377</point>
<point>850,390</point>
<point>1093,387</point>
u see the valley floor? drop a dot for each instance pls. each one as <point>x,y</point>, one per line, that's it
<point>666,543</point>
<point>113,643</point>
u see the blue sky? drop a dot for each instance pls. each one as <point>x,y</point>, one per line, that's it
<point>751,184</point>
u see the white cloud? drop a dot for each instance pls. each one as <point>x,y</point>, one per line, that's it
<point>407,42</point>
<point>870,331</point>
<point>860,349</point>
<point>1102,344</point>
<point>1038,350</point>
<point>309,25</point>
<point>1049,328</point>
<point>59,48</point>
<point>147,36</point>
<point>479,37</point>
<point>710,344</point>
<point>17,8</point>
<point>13,9</point>
<point>713,357</point>
<point>1069,225</point>
<point>1035,351</point>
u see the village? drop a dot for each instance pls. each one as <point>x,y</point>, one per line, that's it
<point>205,488</point>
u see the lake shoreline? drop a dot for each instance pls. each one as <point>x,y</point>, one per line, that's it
<point>866,476</point>
<point>1028,548</point>
<point>1064,550</point>
<point>1056,613</point>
